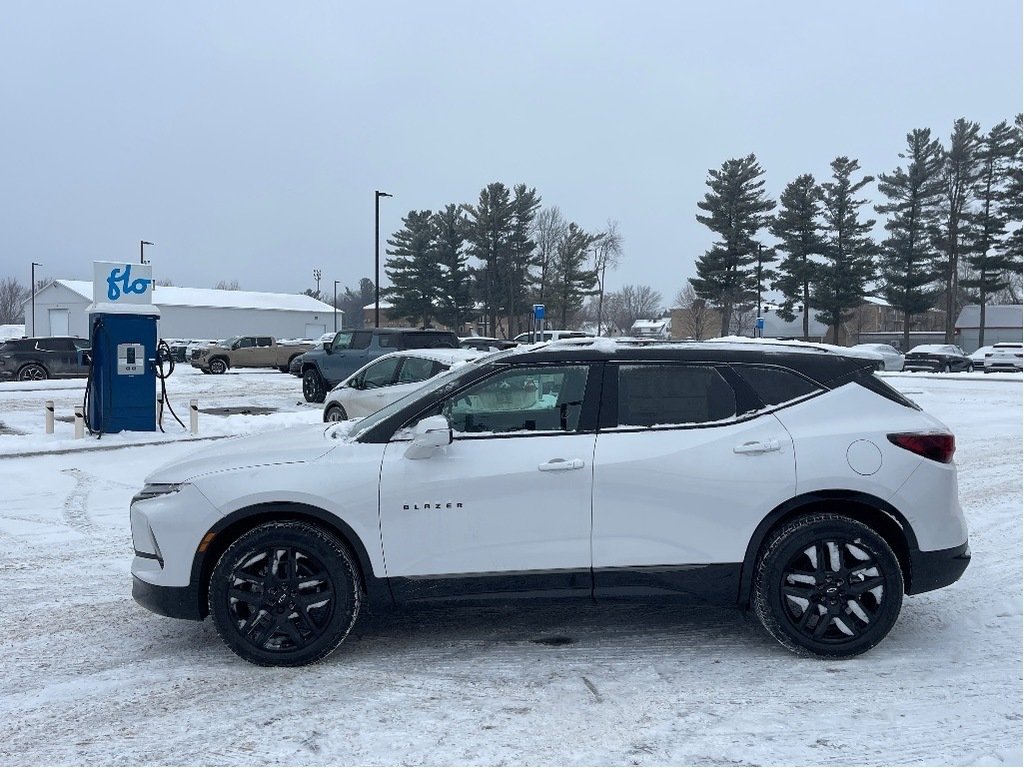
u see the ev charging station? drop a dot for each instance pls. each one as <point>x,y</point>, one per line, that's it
<point>121,392</point>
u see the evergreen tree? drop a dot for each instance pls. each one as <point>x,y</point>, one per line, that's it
<point>840,283</point>
<point>959,174</point>
<point>736,209</point>
<point>455,299</point>
<point>909,260</point>
<point>1012,199</point>
<point>413,269</point>
<point>490,235</point>
<point>987,257</point>
<point>516,274</point>
<point>571,280</point>
<point>797,226</point>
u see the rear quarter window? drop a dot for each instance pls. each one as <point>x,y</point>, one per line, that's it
<point>430,340</point>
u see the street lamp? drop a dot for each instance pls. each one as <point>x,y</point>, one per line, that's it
<point>377,195</point>
<point>336,305</point>
<point>142,250</point>
<point>34,265</point>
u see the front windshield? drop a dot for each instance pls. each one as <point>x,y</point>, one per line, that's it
<point>228,341</point>
<point>435,386</point>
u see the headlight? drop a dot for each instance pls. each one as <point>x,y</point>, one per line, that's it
<point>152,490</point>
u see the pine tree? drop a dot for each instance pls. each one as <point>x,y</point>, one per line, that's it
<point>987,257</point>
<point>959,174</point>
<point>797,226</point>
<point>516,274</point>
<point>840,283</point>
<point>909,259</point>
<point>571,280</point>
<point>1012,200</point>
<point>488,235</point>
<point>413,269</point>
<point>736,210</point>
<point>455,299</point>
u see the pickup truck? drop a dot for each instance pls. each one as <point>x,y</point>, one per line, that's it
<point>323,369</point>
<point>247,352</point>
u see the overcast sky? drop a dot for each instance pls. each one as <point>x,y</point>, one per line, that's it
<point>246,139</point>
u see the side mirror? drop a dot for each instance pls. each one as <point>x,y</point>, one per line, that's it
<point>429,434</point>
<point>327,347</point>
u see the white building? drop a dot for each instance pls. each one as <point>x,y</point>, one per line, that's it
<point>1003,322</point>
<point>189,313</point>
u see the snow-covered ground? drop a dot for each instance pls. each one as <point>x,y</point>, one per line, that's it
<point>89,677</point>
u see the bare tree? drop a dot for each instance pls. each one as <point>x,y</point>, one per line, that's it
<point>742,321</point>
<point>549,229</point>
<point>698,317</point>
<point>226,285</point>
<point>12,300</point>
<point>632,303</point>
<point>607,252</point>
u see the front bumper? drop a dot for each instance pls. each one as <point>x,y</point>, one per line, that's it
<point>175,602</point>
<point>938,568</point>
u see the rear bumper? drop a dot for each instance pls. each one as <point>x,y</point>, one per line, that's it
<point>175,602</point>
<point>938,568</point>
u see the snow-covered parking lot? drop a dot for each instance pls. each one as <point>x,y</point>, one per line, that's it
<point>89,677</point>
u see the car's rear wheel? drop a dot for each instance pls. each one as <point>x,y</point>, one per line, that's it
<point>970,367</point>
<point>947,368</point>
<point>314,389</point>
<point>335,413</point>
<point>827,585</point>
<point>285,594</point>
<point>33,372</point>
<point>218,366</point>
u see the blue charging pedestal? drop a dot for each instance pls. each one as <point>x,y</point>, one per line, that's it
<point>123,330</point>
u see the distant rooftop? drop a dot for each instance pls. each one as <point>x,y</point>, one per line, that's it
<point>172,296</point>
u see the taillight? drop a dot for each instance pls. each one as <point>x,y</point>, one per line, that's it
<point>937,447</point>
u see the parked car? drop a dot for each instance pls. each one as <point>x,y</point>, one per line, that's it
<point>937,357</point>
<point>978,356</point>
<point>389,378</point>
<point>892,359</point>
<point>794,481</point>
<point>1005,356</point>
<point>323,369</point>
<point>551,335</point>
<point>486,343</point>
<point>43,357</point>
<point>248,352</point>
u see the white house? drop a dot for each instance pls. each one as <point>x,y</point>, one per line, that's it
<point>190,313</point>
<point>1003,322</point>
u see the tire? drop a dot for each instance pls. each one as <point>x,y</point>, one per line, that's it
<point>218,366</point>
<point>285,594</point>
<point>33,372</point>
<point>970,367</point>
<point>335,413</point>
<point>810,609</point>
<point>314,389</point>
<point>947,368</point>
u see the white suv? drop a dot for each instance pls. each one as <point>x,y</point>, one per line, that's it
<point>790,480</point>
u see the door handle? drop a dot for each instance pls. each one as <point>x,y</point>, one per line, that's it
<point>560,465</point>
<point>758,446</point>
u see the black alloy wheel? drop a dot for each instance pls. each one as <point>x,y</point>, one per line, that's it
<point>33,372</point>
<point>335,413</point>
<point>314,389</point>
<point>285,594</point>
<point>827,585</point>
<point>218,366</point>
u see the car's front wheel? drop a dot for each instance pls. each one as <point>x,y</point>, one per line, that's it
<point>827,585</point>
<point>218,366</point>
<point>33,372</point>
<point>335,413</point>
<point>314,388</point>
<point>285,594</point>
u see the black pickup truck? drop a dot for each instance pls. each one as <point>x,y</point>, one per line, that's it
<point>323,369</point>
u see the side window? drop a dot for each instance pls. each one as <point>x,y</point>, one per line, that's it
<point>775,386</point>
<point>535,399</point>
<point>673,395</point>
<point>341,341</point>
<point>417,369</point>
<point>380,374</point>
<point>360,339</point>
<point>264,341</point>
<point>246,342</point>
<point>54,345</point>
<point>389,341</point>
<point>429,341</point>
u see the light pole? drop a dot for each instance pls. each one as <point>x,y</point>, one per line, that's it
<point>758,331</point>
<point>142,250</point>
<point>377,195</point>
<point>336,306</point>
<point>34,265</point>
<point>317,274</point>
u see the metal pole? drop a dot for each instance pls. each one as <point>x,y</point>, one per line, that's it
<point>34,265</point>
<point>377,195</point>
<point>758,332</point>
<point>335,306</point>
<point>193,416</point>
<point>49,416</point>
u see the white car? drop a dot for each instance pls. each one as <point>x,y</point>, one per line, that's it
<point>389,378</point>
<point>525,338</point>
<point>892,359</point>
<point>791,480</point>
<point>977,357</point>
<point>1005,356</point>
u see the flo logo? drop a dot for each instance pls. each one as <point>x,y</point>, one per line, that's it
<point>119,282</point>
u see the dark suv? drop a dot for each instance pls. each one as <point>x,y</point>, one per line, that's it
<point>323,369</point>
<point>44,357</point>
